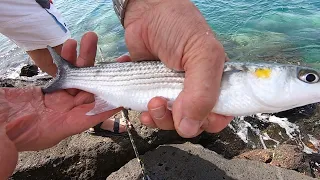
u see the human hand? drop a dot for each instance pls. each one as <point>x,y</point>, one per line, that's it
<point>177,33</point>
<point>36,121</point>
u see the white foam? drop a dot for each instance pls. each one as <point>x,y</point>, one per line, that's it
<point>291,128</point>
<point>243,131</point>
<point>266,137</point>
<point>12,73</point>
<point>315,142</point>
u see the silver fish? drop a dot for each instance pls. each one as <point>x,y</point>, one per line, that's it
<point>246,88</point>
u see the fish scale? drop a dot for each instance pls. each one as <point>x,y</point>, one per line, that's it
<point>246,88</point>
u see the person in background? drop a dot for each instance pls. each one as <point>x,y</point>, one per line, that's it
<point>33,25</point>
<point>173,31</point>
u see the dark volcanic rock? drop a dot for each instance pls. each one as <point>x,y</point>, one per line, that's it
<point>22,83</point>
<point>29,70</point>
<point>6,84</point>
<point>94,156</point>
<point>225,143</point>
<point>314,163</point>
<point>193,162</point>
<point>87,156</point>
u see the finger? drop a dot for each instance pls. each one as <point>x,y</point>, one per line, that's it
<point>217,123</point>
<point>124,58</point>
<point>69,51</point>
<point>83,98</point>
<point>203,71</point>
<point>146,119</point>
<point>9,155</point>
<point>62,98</point>
<point>160,114</point>
<point>80,122</point>
<point>136,46</point>
<point>88,50</point>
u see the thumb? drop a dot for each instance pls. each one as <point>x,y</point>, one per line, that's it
<point>137,47</point>
<point>203,67</point>
<point>8,155</point>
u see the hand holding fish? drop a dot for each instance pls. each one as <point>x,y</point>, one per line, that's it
<point>33,121</point>
<point>177,33</point>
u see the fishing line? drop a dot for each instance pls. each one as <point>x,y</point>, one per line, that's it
<point>125,114</point>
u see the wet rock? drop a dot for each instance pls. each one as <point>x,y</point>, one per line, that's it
<point>6,84</point>
<point>288,156</point>
<point>261,155</point>
<point>29,70</point>
<point>226,143</point>
<point>188,161</point>
<point>24,82</point>
<point>284,156</point>
<point>314,164</point>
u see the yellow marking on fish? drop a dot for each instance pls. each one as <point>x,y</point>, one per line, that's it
<point>263,73</point>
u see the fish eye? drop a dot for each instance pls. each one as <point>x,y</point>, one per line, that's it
<point>309,76</point>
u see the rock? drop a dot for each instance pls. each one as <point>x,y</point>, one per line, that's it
<point>22,83</point>
<point>314,163</point>
<point>262,155</point>
<point>95,156</point>
<point>226,143</point>
<point>29,70</point>
<point>188,161</point>
<point>6,84</point>
<point>285,156</point>
<point>87,156</point>
<point>288,156</point>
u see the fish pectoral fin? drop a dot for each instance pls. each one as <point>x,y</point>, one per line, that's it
<point>100,106</point>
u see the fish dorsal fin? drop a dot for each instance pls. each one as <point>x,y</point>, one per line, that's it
<point>100,106</point>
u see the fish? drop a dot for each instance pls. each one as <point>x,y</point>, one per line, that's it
<point>246,88</point>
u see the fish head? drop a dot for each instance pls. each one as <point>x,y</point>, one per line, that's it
<point>304,85</point>
<point>283,87</point>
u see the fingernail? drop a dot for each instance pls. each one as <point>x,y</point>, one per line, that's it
<point>188,127</point>
<point>158,113</point>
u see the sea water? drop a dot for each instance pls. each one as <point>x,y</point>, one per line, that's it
<point>282,30</point>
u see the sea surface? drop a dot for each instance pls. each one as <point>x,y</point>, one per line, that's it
<point>282,30</point>
<point>286,31</point>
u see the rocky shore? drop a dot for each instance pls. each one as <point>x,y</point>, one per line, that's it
<point>168,156</point>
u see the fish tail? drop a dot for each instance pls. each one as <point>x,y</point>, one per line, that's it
<point>63,67</point>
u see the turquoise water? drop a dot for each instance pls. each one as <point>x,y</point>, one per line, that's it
<point>285,31</point>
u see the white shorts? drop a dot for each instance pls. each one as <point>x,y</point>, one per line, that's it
<point>31,26</point>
